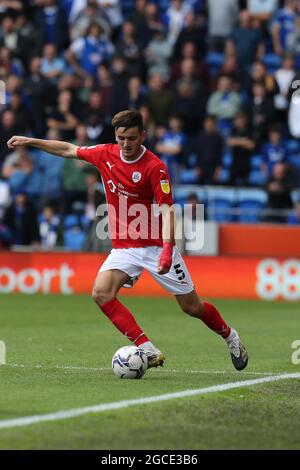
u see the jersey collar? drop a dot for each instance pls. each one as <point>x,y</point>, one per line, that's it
<point>137,159</point>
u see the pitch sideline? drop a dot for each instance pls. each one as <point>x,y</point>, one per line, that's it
<point>73,413</point>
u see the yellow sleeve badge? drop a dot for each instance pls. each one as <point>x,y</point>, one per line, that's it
<point>165,186</point>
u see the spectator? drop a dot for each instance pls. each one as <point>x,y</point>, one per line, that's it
<point>21,220</point>
<point>9,65</point>
<point>64,117</point>
<point>193,32</point>
<point>90,51</point>
<point>222,17</point>
<point>170,146</point>
<point>8,128</point>
<point>96,126</point>
<point>84,19</point>
<point>50,170</point>
<point>242,147</point>
<point>284,27</point>
<point>9,34</point>
<point>129,47</point>
<point>259,75</point>
<point>23,174</point>
<point>159,100</point>
<point>29,41</point>
<point>262,113</point>
<point>189,106</point>
<point>136,96</point>
<point>294,217</point>
<point>279,188</point>
<point>40,94</point>
<point>17,106</point>
<point>209,148</point>
<point>262,10</point>
<point>245,41</point>
<point>158,53</point>
<point>52,66</point>
<point>138,18</point>
<point>120,78</point>
<point>224,103</point>
<point>51,23</point>
<point>174,19</point>
<point>49,223</point>
<point>273,151</point>
<point>284,77</point>
<point>74,180</point>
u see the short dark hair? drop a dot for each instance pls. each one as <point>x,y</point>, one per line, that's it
<point>128,118</point>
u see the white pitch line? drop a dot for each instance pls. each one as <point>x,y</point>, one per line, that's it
<point>59,415</point>
<point>176,371</point>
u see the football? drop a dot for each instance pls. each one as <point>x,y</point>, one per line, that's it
<point>129,362</point>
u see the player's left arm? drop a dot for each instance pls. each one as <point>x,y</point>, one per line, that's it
<point>168,233</point>
<point>162,190</point>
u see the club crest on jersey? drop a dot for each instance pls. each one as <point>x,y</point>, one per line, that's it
<point>136,176</point>
<point>165,186</point>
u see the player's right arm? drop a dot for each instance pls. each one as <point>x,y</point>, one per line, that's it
<point>56,147</point>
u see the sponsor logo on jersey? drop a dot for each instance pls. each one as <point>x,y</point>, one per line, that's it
<point>165,186</point>
<point>136,176</point>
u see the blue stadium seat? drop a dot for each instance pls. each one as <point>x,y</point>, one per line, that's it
<point>251,202</point>
<point>256,161</point>
<point>295,196</point>
<point>224,176</point>
<point>76,221</point>
<point>181,192</point>
<point>227,160</point>
<point>220,203</point>
<point>294,160</point>
<point>272,62</point>
<point>257,178</point>
<point>188,176</point>
<point>292,146</point>
<point>73,239</point>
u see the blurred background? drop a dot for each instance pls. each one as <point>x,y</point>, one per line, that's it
<point>217,85</point>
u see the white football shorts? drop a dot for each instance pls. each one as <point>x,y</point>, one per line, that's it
<point>133,261</point>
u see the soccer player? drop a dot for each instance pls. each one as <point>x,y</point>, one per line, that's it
<point>133,177</point>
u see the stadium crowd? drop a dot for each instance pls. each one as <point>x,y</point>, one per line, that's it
<point>215,81</point>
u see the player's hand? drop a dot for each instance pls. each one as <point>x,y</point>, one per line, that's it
<point>16,141</point>
<point>165,258</point>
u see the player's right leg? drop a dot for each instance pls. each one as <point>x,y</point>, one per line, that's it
<point>106,287</point>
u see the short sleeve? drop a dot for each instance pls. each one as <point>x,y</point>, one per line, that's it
<point>161,185</point>
<point>91,154</point>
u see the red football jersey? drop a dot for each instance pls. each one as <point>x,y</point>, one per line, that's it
<point>132,189</point>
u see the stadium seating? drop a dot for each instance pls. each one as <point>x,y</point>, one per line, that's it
<point>220,202</point>
<point>74,234</point>
<point>250,202</point>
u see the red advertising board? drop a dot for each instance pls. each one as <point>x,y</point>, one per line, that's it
<point>223,277</point>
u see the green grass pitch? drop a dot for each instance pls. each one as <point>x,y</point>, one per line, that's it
<point>46,336</point>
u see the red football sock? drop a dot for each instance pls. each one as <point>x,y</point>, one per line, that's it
<point>121,317</point>
<point>214,321</point>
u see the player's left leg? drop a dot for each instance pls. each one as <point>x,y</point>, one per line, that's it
<point>191,304</point>
<point>179,283</point>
